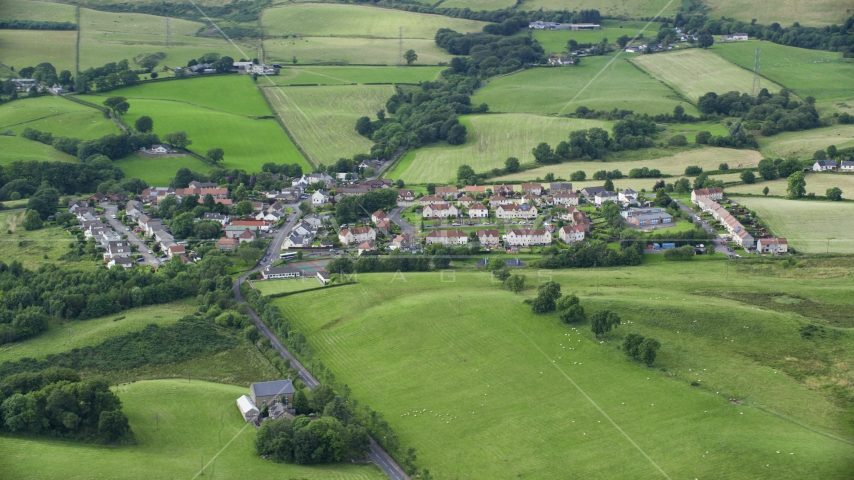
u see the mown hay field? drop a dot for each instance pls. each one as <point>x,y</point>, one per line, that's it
<point>804,144</point>
<point>179,427</point>
<point>491,140</point>
<point>476,5</point>
<point>784,12</point>
<point>13,149</point>
<point>40,11</point>
<point>323,119</point>
<point>336,20</point>
<point>334,75</point>
<point>349,50</point>
<point>708,158</point>
<point>28,48</point>
<point>824,75</point>
<point>387,341</point>
<point>808,226</point>
<point>695,72</point>
<point>552,90</point>
<point>61,117</point>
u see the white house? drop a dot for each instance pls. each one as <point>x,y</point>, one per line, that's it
<point>319,198</point>
<point>120,261</point>
<point>478,210</point>
<point>513,211</point>
<point>824,166</point>
<point>772,245</point>
<point>846,166</point>
<point>356,235</point>
<point>603,197</point>
<point>379,216</point>
<point>439,210</point>
<point>285,271</point>
<point>447,237</point>
<point>517,237</point>
<point>571,234</point>
<point>627,196</point>
<point>565,199</point>
<point>247,409</point>
<point>714,194</point>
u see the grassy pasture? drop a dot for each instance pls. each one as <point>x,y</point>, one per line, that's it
<point>61,117</point>
<point>28,48</point>
<point>708,158</point>
<point>554,41</point>
<point>83,333</point>
<point>178,426</point>
<point>804,144</point>
<point>349,50</point>
<point>231,93</point>
<point>491,140</point>
<point>611,8</point>
<point>784,12</point>
<point>817,183</point>
<point>323,119</point>
<point>690,130</point>
<point>696,71</point>
<point>807,225</point>
<point>41,11</point>
<point>343,75</point>
<point>335,20</point>
<point>477,5</point>
<point>387,340</point>
<point>550,90</point>
<point>16,148</point>
<point>824,75</point>
<point>269,287</point>
<point>158,171</point>
<point>33,248</point>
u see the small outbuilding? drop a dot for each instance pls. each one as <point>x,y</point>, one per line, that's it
<point>249,411</point>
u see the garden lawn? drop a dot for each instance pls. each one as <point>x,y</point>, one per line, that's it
<point>178,426</point>
<point>824,75</point>
<point>784,12</point>
<point>13,149</point>
<point>803,144</point>
<point>708,158</point>
<point>322,120</point>
<point>39,11</point>
<point>159,171</point>
<point>695,72</point>
<point>350,50</point>
<point>335,20</point>
<point>491,140</point>
<point>355,74</point>
<point>817,183</point>
<point>28,48</point>
<point>551,90</point>
<point>61,117</point>
<point>808,226</point>
<point>506,387</point>
<point>36,247</point>
<point>84,333</point>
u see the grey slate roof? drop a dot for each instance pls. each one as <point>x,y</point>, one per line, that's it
<point>276,387</point>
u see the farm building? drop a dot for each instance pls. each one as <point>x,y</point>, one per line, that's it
<point>643,217</point>
<point>269,393</point>
<point>247,409</point>
<point>824,166</point>
<point>772,245</point>
<point>285,271</point>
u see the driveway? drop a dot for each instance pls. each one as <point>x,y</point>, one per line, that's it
<point>121,229</point>
<point>720,245</point>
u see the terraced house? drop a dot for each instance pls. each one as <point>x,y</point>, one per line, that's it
<point>356,235</point>
<point>439,210</point>
<point>518,237</point>
<point>447,237</point>
<point>512,211</point>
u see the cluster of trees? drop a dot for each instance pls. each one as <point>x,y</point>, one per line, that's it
<point>373,262</point>
<point>31,298</point>
<point>835,38</point>
<point>494,16</point>
<point>630,133</point>
<point>770,113</point>
<point>737,138</point>
<point>550,299</point>
<point>353,207</point>
<point>489,54</point>
<point>58,402</point>
<point>222,64</point>
<point>678,115</point>
<point>683,253</point>
<point>22,179</point>
<point>111,146</point>
<point>771,169</point>
<point>644,172</point>
<point>35,25</point>
<point>589,256</point>
<point>638,347</point>
<point>110,75</point>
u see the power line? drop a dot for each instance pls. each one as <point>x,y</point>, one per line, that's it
<point>400,46</point>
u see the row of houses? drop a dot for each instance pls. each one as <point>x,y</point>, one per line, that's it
<point>563,26</point>
<point>117,252</point>
<point>515,237</point>
<point>707,201</point>
<point>831,166</point>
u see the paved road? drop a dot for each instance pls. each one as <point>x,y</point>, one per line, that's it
<point>376,453</point>
<point>719,246</point>
<point>394,216</point>
<point>121,229</point>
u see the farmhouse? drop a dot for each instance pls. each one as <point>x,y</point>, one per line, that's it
<point>478,210</point>
<point>512,211</point>
<point>489,238</point>
<point>772,245</point>
<point>560,61</point>
<point>735,37</point>
<point>447,237</point>
<point>715,194</point>
<point>319,198</point>
<point>846,166</point>
<point>285,271</point>
<point>571,234</point>
<point>269,393</point>
<point>643,217</point>
<point>518,237</point>
<point>356,235</point>
<point>439,210</point>
<point>824,166</point>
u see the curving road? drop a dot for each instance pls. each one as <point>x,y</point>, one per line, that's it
<point>376,453</point>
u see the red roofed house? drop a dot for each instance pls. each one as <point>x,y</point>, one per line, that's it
<point>715,194</point>
<point>406,195</point>
<point>772,245</point>
<point>356,235</point>
<point>439,210</point>
<point>175,250</point>
<point>226,244</point>
<point>532,188</point>
<point>366,246</point>
<point>478,210</point>
<point>431,200</point>
<point>379,215</point>
<point>447,237</point>
<point>264,225</point>
<point>571,234</point>
<point>446,192</point>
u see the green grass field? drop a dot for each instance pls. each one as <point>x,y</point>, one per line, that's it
<point>696,71</point>
<point>349,50</point>
<point>323,119</point>
<point>335,20</point>
<point>707,158</point>
<point>817,183</point>
<point>158,171</point>
<point>232,94</point>
<point>269,287</point>
<point>36,247</point>
<point>811,227</point>
<point>41,11</point>
<point>13,149</point>
<point>554,41</point>
<point>804,144</point>
<point>28,48</point>
<point>61,117</point>
<point>824,75</point>
<point>344,75</point>
<point>83,333</point>
<point>505,387</point>
<point>611,8</point>
<point>784,12</point>
<point>178,426</point>
<point>491,140</point>
<point>550,90</point>
<point>476,5</point>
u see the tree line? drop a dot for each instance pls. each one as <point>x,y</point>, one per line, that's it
<point>35,25</point>
<point>631,133</point>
